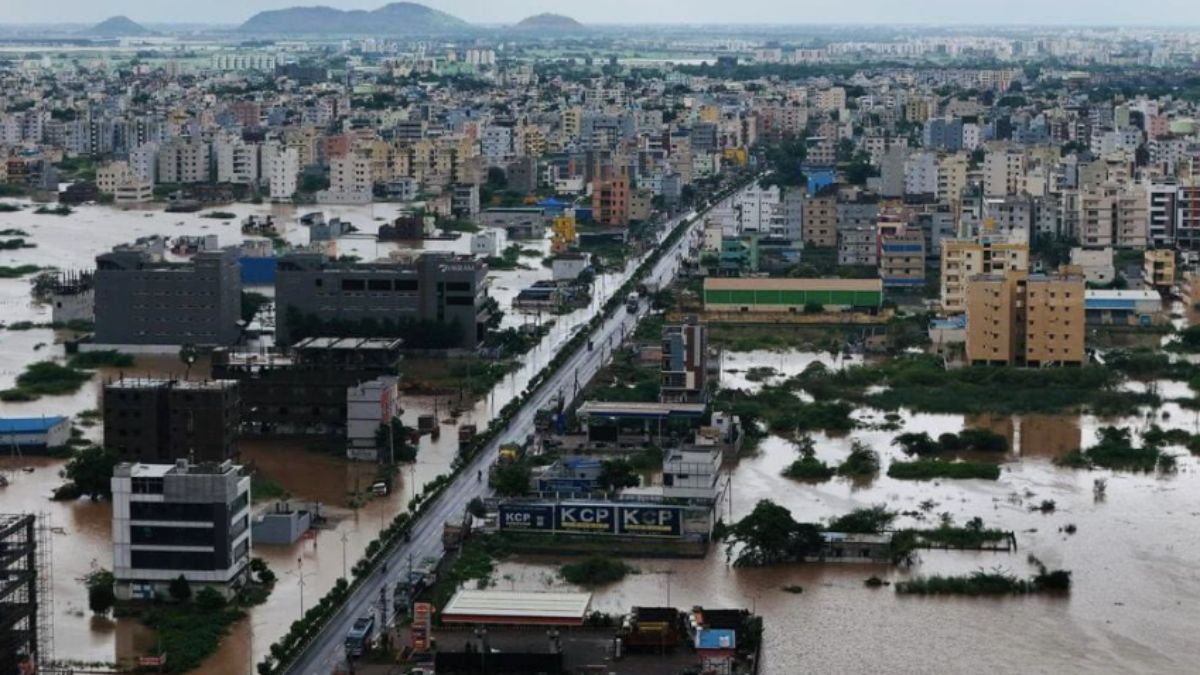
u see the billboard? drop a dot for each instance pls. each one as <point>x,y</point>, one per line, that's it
<point>658,521</point>
<point>526,517</point>
<point>647,520</point>
<point>596,518</point>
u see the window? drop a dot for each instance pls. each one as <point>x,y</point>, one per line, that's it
<point>354,285</point>
<point>379,285</point>
<point>407,285</point>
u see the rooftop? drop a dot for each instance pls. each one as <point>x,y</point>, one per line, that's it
<point>26,425</point>
<point>511,607</point>
<point>179,468</point>
<point>735,284</point>
<point>348,343</point>
<point>616,409</point>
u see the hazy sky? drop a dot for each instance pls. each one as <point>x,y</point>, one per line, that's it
<point>1109,12</point>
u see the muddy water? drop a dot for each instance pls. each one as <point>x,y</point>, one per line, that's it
<point>72,243</point>
<point>1133,558</point>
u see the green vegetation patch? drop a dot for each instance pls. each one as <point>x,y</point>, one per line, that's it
<point>1116,451</point>
<point>596,570</point>
<point>983,582</point>
<point>45,378</point>
<point>106,358</point>
<point>930,469</point>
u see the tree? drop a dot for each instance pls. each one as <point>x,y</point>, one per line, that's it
<point>99,583</point>
<point>617,474</point>
<point>180,589</point>
<point>209,599</point>
<point>916,444</point>
<point>512,480</point>
<point>91,471</point>
<point>769,535</point>
<point>862,462</point>
<point>863,521</point>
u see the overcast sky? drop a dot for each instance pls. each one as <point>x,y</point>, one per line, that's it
<point>1091,12</point>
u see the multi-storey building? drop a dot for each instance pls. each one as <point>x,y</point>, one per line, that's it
<point>1023,319</point>
<point>820,221</point>
<point>1112,215</point>
<point>152,420</point>
<point>237,161</point>
<point>963,260</point>
<point>1004,173</point>
<point>438,300</point>
<point>184,160</point>
<point>142,300</point>
<point>180,519</point>
<point>902,259</point>
<point>684,374</point>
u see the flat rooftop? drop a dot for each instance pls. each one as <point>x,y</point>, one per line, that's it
<point>517,608</point>
<point>140,470</point>
<point>348,343</point>
<point>765,284</point>
<point>651,410</point>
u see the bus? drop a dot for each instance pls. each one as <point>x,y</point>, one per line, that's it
<point>360,635</point>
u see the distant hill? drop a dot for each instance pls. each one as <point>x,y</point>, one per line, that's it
<point>549,22</point>
<point>395,18</point>
<point>118,26</point>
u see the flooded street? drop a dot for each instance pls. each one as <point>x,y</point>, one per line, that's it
<point>71,243</point>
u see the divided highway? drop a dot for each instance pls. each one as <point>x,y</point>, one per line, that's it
<point>324,653</point>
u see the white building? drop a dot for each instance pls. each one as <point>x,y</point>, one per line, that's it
<point>143,161</point>
<point>237,161</point>
<point>692,472</point>
<point>183,160</point>
<point>921,173</point>
<point>172,520</point>
<point>240,61</point>
<point>349,181</point>
<point>755,207</point>
<point>1097,264</point>
<point>486,244</point>
<point>369,405</point>
<point>496,144</point>
<point>568,266</point>
<point>282,168</point>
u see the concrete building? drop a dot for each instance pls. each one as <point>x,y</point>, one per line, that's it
<point>902,259</point>
<point>237,161</point>
<point>1023,319</point>
<point>350,181</point>
<point>1158,270</point>
<point>791,295</point>
<point>370,405</point>
<point>436,301</point>
<point>684,372</point>
<point>610,202</point>
<point>181,519</point>
<point>567,267</point>
<point>281,166</point>
<point>305,393</point>
<point>184,160</point>
<point>143,301</point>
<point>153,420</point>
<point>963,260</point>
<point>1112,215</point>
<point>692,472</point>
<point>820,221</point>
<point>1004,173</point>
<point>1095,263</point>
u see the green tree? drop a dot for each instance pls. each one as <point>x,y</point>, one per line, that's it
<point>179,589</point>
<point>99,584</point>
<point>617,474</point>
<point>91,471</point>
<point>209,600</point>
<point>512,480</point>
<point>770,535</point>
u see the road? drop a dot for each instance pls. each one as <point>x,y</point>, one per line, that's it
<point>326,651</point>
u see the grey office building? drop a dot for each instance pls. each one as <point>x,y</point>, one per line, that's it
<point>437,301</point>
<point>143,300</point>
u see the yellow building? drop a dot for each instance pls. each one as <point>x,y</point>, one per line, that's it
<point>963,259</point>
<point>563,234</point>
<point>735,155</point>
<point>1023,319</point>
<point>1159,268</point>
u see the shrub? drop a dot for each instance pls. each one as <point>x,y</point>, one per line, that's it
<point>862,462</point>
<point>179,589</point>
<point>929,469</point>
<point>595,570</point>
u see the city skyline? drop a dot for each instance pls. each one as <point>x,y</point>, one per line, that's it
<point>1173,13</point>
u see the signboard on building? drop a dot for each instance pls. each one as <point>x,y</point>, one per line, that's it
<point>421,623</point>
<point>658,521</point>
<point>526,517</point>
<point>595,518</point>
<point>647,520</point>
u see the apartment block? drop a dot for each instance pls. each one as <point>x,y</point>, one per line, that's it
<point>184,160</point>
<point>902,259</point>
<point>1029,320</point>
<point>1159,268</point>
<point>964,259</point>
<point>820,221</point>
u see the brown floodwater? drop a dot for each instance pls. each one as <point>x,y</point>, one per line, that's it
<point>84,541</point>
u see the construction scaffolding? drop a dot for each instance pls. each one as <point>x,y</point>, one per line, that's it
<point>44,560</point>
<point>20,639</point>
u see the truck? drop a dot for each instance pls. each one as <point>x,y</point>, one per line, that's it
<point>454,533</point>
<point>412,583</point>
<point>360,635</point>
<point>632,302</point>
